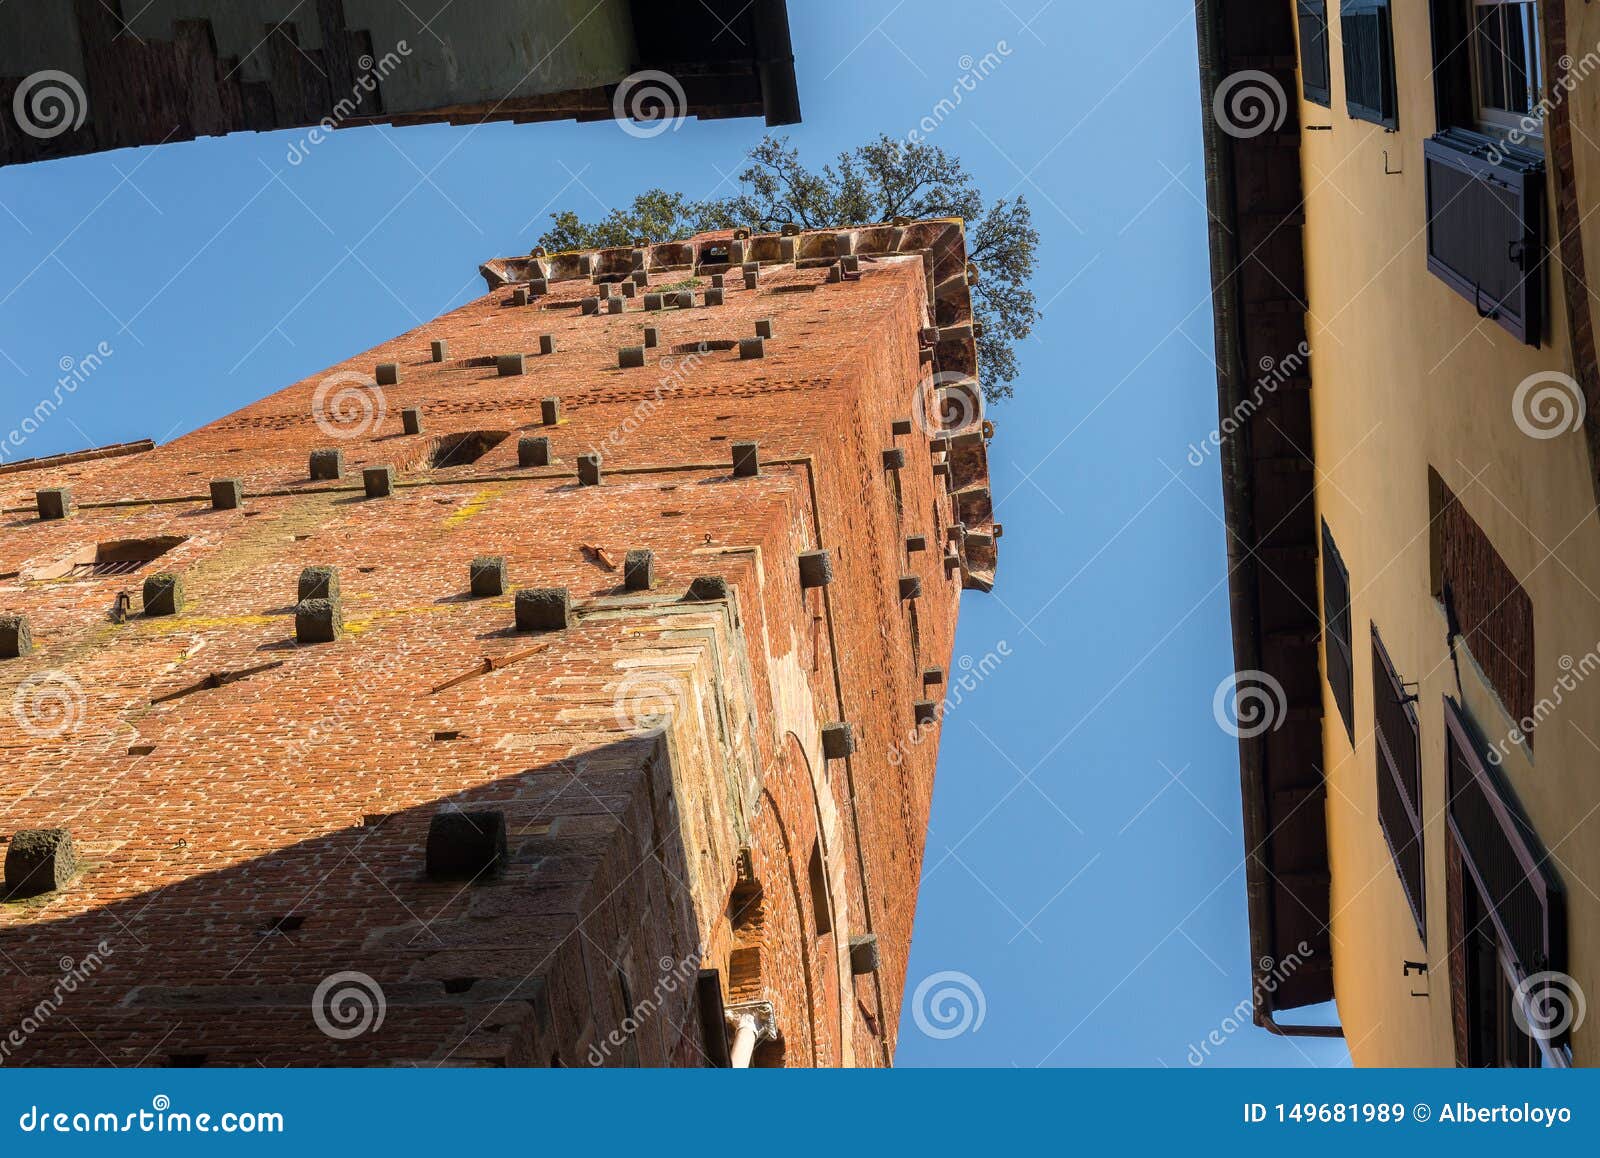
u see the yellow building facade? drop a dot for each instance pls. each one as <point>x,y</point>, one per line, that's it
<point>1420,194</point>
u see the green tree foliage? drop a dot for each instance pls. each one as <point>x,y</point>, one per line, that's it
<point>875,182</point>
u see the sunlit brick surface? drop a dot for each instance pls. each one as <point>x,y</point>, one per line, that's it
<point>251,814</point>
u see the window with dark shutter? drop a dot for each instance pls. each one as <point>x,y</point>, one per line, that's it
<point>1485,228</point>
<point>1484,169</point>
<point>1399,762</point>
<point>1509,909</point>
<point>1336,630</point>
<point>1315,81</point>
<point>1368,62</point>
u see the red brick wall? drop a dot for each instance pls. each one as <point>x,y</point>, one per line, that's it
<point>306,789</point>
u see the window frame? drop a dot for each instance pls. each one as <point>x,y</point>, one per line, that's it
<point>1492,120</point>
<point>1314,10</point>
<point>1343,691</point>
<point>1488,982</point>
<point>1386,681</point>
<point>1386,113</point>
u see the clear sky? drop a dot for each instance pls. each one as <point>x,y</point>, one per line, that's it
<point>1084,871</point>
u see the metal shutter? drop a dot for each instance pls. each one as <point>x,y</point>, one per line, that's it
<point>1485,227</point>
<point>1504,857</point>
<point>1399,763</point>
<point>1368,62</point>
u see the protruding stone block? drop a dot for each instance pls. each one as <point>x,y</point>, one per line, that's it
<point>440,350</point>
<point>550,411</point>
<point>641,277</point>
<point>411,420</point>
<point>488,575</point>
<point>590,307</point>
<point>379,481</point>
<point>910,587</point>
<point>718,281</point>
<point>952,564</point>
<point>654,301</point>
<point>752,348</point>
<point>318,621</point>
<point>916,542</point>
<point>652,337</point>
<point>54,503</point>
<point>685,299</point>
<point>630,357</point>
<point>932,676</point>
<point>746,459</point>
<point>39,861</point>
<point>520,296</point>
<point>547,343</point>
<point>589,470</point>
<point>752,280</point>
<point>639,570</point>
<point>713,296</point>
<point>163,594</point>
<point>708,587</point>
<point>764,328</point>
<point>816,569</point>
<point>327,465</point>
<point>466,845</point>
<point>941,470</point>
<point>510,365</point>
<point>835,273</point>
<point>227,494</point>
<point>388,374</point>
<point>838,741</point>
<point>901,426</point>
<point>955,532</point>
<point>628,289</point>
<point>925,712</point>
<point>544,609</point>
<point>894,459</point>
<point>539,286</point>
<point>16,637</point>
<point>533,452</point>
<point>614,306</point>
<point>318,583</point>
<point>864,956</point>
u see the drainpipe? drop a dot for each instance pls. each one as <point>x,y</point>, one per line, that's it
<point>752,1023</point>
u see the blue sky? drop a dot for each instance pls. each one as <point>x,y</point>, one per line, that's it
<point>1084,870</point>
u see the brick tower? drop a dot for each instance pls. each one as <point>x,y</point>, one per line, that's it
<point>558,683</point>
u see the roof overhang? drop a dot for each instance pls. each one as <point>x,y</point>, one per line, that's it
<point>1255,196</point>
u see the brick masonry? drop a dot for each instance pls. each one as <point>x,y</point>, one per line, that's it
<point>250,815</point>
